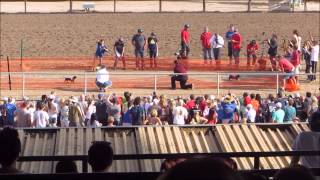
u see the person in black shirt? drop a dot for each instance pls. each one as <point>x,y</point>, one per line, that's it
<point>153,49</point>
<point>273,50</point>
<point>119,53</point>
<point>101,110</point>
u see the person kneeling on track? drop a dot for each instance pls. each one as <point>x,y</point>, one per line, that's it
<point>182,78</point>
<point>102,80</point>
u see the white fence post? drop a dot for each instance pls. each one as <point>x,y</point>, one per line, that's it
<point>155,82</point>
<point>85,83</point>
<point>277,83</point>
<point>23,84</point>
<point>218,85</point>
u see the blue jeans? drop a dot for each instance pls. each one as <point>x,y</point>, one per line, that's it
<point>207,53</point>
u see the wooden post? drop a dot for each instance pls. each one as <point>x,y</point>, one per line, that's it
<point>70,6</point>
<point>204,5</point>
<point>21,54</point>
<point>305,5</point>
<point>160,5</point>
<point>9,72</point>
<point>249,5</point>
<point>114,5</point>
<point>25,6</point>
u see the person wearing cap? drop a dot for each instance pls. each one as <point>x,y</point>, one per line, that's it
<point>250,114</point>
<point>139,43</point>
<point>119,53</point>
<point>185,41</point>
<point>278,114</point>
<point>182,78</point>
<point>229,109</point>
<point>236,40</point>
<point>229,35</point>
<point>153,49</point>
<point>206,45</point>
<point>287,67</point>
<point>102,81</point>
<point>101,49</point>
<point>101,110</point>
<point>252,49</point>
<point>75,115</point>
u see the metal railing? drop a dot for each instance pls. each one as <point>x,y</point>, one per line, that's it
<point>155,75</point>
<point>255,155</point>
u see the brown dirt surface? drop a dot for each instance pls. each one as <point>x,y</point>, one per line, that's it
<point>74,35</point>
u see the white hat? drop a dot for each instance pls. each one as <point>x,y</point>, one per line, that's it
<point>212,97</point>
<point>296,95</point>
<point>74,99</point>
<point>249,106</point>
<point>278,105</point>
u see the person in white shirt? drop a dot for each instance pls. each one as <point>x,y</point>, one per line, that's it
<point>64,113</point>
<point>52,111</point>
<point>102,81</point>
<point>308,141</point>
<point>41,118</point>
<point>314,57</point>
<point>217,43</point>
<point>250,114</point>
<point>297,39</point>
<point>180,113</point>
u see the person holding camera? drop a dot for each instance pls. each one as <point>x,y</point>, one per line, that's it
<point>182,77</point>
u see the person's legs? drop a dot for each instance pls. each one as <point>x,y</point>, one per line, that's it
<point>273,63</point>
<point>183,50</point>
<point>248,59</point>
<point>187,51</point>
<point>210,55</point>
<point>183,83</point>
<point>123,62</point>
<point>205,55</point>
<point>254,59</point>
<point>115,63</point>
<point>230,52</point>
<point>173,82</point>
<point>314,69</point>
<point>141,53</point>
<point>236,54</point>
<point>136,52</point>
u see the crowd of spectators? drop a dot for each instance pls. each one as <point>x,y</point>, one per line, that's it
<point>116,110</point>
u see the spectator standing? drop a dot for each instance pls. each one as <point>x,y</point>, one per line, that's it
<point>229,35</point>
<point>114,108</point>
<point>251,114</point>
<point>273,50</point>
<point>236,46</point>
<point>180,113</point>
<point>153,49</point>
<point>314,57</point>
<point>295,60</point>
<point>287,67</point>
<point>75,115</point>
<point>206,45</point>
<point>212,116</point>
<point>52,111</point>
<point>91,109</point>
<point>182,78</point>
<point>217,43</point>
<point>139,43</point>
<point>290,112</point>
<point>137,114</point>
<point>10,108</point>
<point>308,141</point>
<point>101,49</point>
<point>22,117</point>
<point>278,114</point>
<point>296,39</point>
<point>185,41</point>
<point>41,117</point>
<point>252,50</point>
<point>101,110</point>
<point>64,113</point>
<point>229,108</point>
<point>119,49</point>
<point>306,52</point>
<point>153,119</point>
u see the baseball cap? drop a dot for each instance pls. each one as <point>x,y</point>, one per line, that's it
<point>140,30</point>
<point>187,25</point>
<point>100,95</point>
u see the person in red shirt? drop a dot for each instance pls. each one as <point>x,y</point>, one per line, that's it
<point>179,68</point>
<point>295,60</point>
<point>285,66</point>
<point>236,46</point>
<point>185,42</point>
<point>191,103</point>
<point>252,49</point>
<point>206,45</point>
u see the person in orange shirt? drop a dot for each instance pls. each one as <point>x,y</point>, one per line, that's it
<point>254,102</point>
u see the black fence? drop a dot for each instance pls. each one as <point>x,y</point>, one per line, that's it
<point>255,155</point>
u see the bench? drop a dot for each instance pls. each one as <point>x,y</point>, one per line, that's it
<point>88,5</point>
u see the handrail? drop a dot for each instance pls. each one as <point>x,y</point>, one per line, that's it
<point>255,155</point>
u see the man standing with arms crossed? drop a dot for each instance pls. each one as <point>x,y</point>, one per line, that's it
<point>236,46</point>
<point>206,45</point>
<point>185,41</point>
<point>229,35</point>
<point>139,43</point>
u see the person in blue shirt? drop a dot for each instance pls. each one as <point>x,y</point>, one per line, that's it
<point>10,108</point>
<point>290,112</point>
<point>229,108</point>
<point>278,114</point>
<point>229,35</point>
<point>100,50</point>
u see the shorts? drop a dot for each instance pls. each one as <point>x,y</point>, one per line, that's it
<point>236,53</point>
<point>53,120</point>
<point>230,49</point>
<point>139,52</point>
<point>296,70</point>
<point>289,72</point>
<point>104,85</point>
<point>153,53</point>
